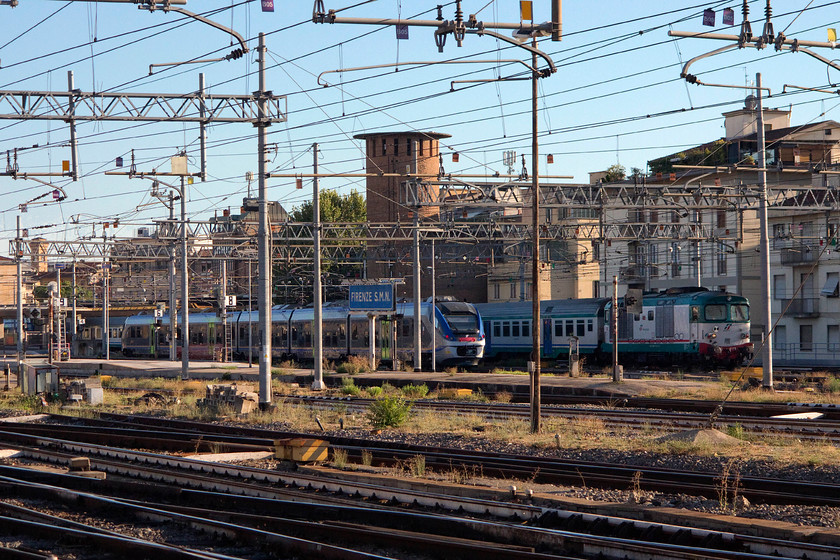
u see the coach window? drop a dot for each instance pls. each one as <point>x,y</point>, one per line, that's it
<point>570,328</point>
<point>589,325</point>
<point>515,328</point>
<point>558,328</point>
<point>526,328</point>
<point>497,329</point>
<point>506,329</point>
<point>580,327</point>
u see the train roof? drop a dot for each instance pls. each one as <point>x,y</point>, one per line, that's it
<point>548,308</point>
<point>692,296</point>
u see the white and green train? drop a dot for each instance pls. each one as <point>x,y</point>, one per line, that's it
<point>680,325</point>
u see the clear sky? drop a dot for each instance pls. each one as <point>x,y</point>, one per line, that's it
<point>616,96</point>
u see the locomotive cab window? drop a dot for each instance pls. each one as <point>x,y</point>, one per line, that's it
<point>739,312</point>
<point>716,312</point>
<point>695,313</point>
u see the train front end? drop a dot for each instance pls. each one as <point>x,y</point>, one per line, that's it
<point>459,334</point>
<point>723,335</point>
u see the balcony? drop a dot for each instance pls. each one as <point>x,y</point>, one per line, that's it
<point>801,254</point>
<point>802,308</point>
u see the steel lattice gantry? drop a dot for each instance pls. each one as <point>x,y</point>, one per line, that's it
<point>152,107</point>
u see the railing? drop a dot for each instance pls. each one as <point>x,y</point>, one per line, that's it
<point>806,353</point>
<point>802,307</point>
<point>800,254</point>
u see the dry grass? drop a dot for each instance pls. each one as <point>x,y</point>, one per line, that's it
<point>578,434</point>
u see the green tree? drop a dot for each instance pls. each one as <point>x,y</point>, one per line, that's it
<point>335,208</point>
<point>293,281</point>
<point>615,172</point>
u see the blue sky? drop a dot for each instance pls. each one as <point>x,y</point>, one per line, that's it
<point>616,97</point>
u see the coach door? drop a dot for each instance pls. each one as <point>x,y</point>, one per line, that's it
<point>383,337</point>
<point>548,348</point>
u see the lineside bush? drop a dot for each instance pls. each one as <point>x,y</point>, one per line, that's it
<point>388,412</point>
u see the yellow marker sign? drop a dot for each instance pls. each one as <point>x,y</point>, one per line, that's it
<point>65,165</point>
<point>832,34</point>
<point>526,10</point>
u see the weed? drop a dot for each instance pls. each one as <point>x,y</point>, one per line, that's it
<point>388,412</point>
<point>503,397</point>
<point>339,458</point>
<point>417,465</point>
<point>415,391</point>
<point>736,430</point>
<point>374,392</point>
<point>388,389</point>
<point>348,387</point>
<point>636,482</point>
<point>832,385</point>
<point>367,458</point>
<point>450,370</point>
<point>354,365</point>
<point>727,485</point>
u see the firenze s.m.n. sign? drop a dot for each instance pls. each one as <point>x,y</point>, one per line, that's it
<point>375,297</point>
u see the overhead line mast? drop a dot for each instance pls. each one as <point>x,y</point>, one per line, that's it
<point>459,27</point>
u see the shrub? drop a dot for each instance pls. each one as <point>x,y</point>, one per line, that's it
<point>415,391</point>
<point>348,387</point>
<point>354,365</point>
<point>832,385</point>
<point>389,412</point>
<point>374,392</point>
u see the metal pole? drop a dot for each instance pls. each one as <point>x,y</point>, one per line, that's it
<point>185,289</point>
<point>535,329</point>
<point>105,341</point>
<point>416,257</point>
<point>19,296</point>
<point>202,135</point>
<point>173,301</point>
<point>250,309</point>
<point>767,353</point>
<point>71,108</point>
<point>434,311</point>
<point>57,304</point>
<point>616,368</point>
<point>318,338</point>
<point>264,288</point>
<point>372,340</point>
<point>223,309</point>
<point>75,318</point>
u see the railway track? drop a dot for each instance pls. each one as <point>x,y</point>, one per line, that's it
<point>818,430</point>
<point>545,469</point>
<point>309,516</point>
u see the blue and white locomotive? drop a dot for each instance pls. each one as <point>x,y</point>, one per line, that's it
<point>685,325</point>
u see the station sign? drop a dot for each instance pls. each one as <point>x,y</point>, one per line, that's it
<point>60,266</point>
<point>372,297</point>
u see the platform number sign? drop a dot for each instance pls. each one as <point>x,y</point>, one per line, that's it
<point>268,5</point>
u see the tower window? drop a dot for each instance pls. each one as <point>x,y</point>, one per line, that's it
<point>384,147</point>
<point>408,146</point>
<point>396,147</point>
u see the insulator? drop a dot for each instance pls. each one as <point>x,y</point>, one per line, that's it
<point>440,12</point>
<point>768,11</point>
<point>440,39</point>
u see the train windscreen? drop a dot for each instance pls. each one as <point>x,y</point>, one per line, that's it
<point>739,313</point>
<point>463,322</point>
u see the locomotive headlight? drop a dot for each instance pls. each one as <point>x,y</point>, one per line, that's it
<point>743,335</point>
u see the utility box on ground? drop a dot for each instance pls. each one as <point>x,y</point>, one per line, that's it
<point>39,379</point>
